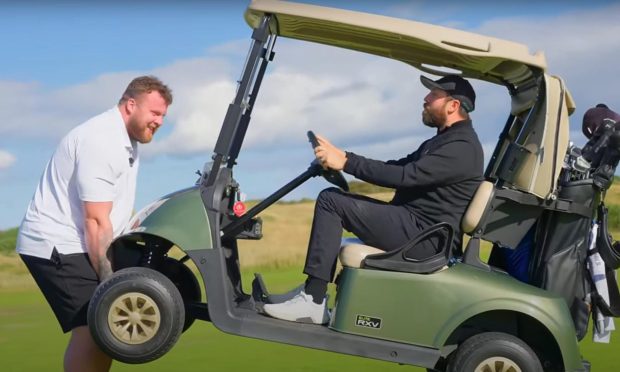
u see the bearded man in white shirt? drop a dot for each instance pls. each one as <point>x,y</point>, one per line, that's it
<point>84,199</point>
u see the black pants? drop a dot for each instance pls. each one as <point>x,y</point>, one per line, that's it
<point>375,222</point>
<point>67,282</point>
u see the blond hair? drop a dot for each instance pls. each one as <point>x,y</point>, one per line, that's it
<point>146,84</point>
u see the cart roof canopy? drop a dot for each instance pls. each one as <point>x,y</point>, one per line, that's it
<point>540,103</point>
<point>422,45</point>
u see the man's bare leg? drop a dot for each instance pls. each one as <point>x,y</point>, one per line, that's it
<point>83,354</point>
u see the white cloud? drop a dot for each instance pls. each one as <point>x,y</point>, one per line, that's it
<point>197,120</point>
<point>357,100</point>
<point>6,159</point>
<point>580,46</point>
<point>30,110</point>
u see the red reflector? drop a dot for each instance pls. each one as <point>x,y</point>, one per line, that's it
<point>239,209</point>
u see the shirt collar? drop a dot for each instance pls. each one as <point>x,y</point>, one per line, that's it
<point>457,126</point>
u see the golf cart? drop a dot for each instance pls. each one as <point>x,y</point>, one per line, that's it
<point>483,318</point>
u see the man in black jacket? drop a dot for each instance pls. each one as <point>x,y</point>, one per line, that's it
<point>433,184</point>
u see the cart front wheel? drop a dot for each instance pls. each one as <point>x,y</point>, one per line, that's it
<point>136,315</point>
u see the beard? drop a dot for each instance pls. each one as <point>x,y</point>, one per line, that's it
<point>138,132</point>
<point>433,119</point>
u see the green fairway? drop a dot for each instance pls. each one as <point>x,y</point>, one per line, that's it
<point>31,340</point>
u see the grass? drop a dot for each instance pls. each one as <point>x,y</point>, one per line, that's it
<point>7,240</point>
<point>28,327</point>
<point>286,230</point>
<point>26,320</point>
<point>360,187</point>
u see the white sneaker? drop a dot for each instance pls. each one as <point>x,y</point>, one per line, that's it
<point>300,308</point>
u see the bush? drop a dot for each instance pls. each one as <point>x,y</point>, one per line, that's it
<point>7,240</point>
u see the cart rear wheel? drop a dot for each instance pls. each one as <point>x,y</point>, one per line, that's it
<point>494,352</point>
<point>136,316</point>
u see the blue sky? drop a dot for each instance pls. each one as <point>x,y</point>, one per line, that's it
<point>67,61</point>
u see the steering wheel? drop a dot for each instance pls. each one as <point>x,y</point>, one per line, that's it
<point>332,176</point>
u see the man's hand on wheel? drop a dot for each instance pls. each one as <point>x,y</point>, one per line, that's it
<point>330,156</point>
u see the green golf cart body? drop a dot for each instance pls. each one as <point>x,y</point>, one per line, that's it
<point>388,308</point>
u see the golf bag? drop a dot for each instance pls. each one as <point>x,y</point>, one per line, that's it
<point>559,259</point>
<point>557,254</point>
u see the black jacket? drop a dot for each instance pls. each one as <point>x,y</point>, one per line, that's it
<point>437,181</point>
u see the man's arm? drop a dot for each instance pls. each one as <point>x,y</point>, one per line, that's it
<point>452,162</point>
<point>98,233</point>
<point>331,157</point>
<point>409,158</point>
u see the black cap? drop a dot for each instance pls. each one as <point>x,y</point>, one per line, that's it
<point>456,87</point>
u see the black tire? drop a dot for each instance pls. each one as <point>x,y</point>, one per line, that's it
<point>136,315</point>
<point>483,348</point>
<point>184,279</point>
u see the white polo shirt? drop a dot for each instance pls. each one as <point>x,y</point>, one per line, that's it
<point>97,162</point>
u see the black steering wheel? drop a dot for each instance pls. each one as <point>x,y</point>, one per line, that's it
<point>332,176</point>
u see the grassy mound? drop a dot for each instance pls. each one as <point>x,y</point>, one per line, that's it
<point>7,241</point>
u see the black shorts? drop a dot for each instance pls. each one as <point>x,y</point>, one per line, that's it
<point>67,282</point>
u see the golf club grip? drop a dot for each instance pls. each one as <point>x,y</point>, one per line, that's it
<point>312,138</point>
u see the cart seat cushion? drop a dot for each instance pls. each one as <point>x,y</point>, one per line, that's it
<point>477,207</point>
<point>352,253</point>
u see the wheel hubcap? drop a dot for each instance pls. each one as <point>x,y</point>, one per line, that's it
<point>497,364</point>
<point>134,318</point>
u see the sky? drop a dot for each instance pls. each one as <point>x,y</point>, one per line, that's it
<point>66,61</point>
